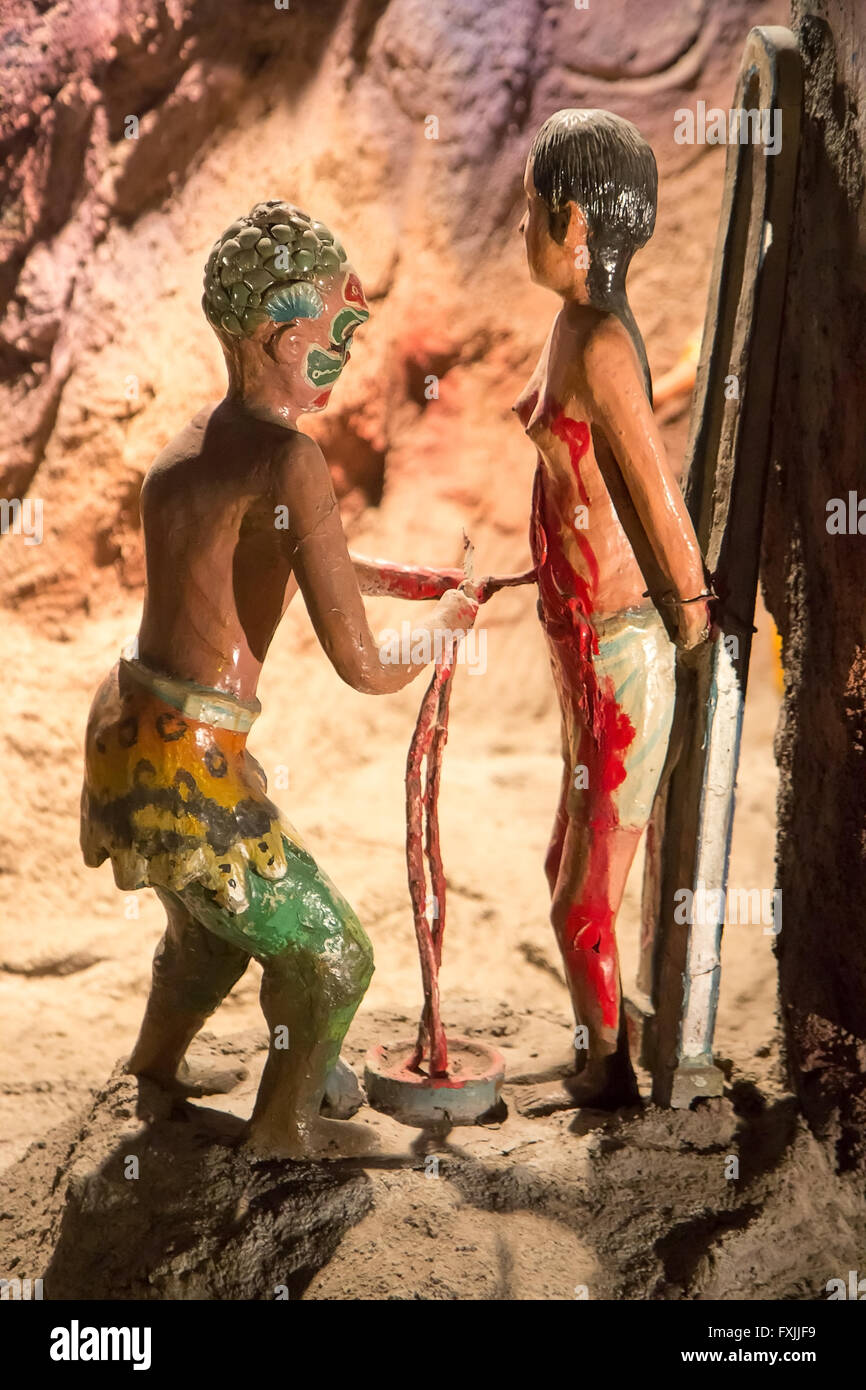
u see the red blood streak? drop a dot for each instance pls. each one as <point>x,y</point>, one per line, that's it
<point>590,949</point>
<point>414,582</point>
<point>574,433</point>
<point>405,583</point>
<point>566,605</point>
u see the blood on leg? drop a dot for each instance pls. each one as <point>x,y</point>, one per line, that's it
<point>596,859</point>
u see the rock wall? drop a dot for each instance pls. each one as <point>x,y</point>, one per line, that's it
<point>813,582</point>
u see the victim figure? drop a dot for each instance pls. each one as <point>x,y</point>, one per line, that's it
<point>617,563</point>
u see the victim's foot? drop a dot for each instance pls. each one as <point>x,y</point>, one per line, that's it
<point>606,1085</point>
<point>321,1139</point>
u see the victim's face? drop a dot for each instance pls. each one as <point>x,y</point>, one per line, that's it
<point>558,263</point>
<point>317,349</point>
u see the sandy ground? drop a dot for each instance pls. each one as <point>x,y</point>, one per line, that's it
<point>637,1205</point>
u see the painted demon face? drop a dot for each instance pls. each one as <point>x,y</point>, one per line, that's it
<point>344,308</point>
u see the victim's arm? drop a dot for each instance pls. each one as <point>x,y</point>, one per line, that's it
<point>386,578</point>
<point>621,408</point>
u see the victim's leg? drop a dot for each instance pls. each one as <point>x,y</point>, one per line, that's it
<point>594,867</point>
<point>618,711</point>
<point>193,971</point>
<point>595,864</point>
<point>553,858</point>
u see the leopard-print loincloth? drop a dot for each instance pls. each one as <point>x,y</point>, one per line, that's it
<point>172,800</point>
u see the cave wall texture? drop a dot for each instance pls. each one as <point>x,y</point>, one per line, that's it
<point>813,584</point>
<point>104,351</point>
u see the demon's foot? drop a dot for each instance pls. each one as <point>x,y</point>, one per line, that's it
<point>192,1082</point>
<point>322,1139</point>
<point>608,1084</point>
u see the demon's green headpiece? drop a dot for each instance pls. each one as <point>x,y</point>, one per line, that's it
<point>269,266</point>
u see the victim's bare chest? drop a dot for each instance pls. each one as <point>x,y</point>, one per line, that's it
<point>579,495</point>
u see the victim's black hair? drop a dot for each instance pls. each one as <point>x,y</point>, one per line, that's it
<point>601,162</point>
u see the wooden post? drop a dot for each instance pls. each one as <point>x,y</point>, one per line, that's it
<point>727,462</point>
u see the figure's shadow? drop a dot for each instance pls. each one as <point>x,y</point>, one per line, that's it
<point>180,1212</point>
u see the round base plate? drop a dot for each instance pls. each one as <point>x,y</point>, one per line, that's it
<point>464,1096</point>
